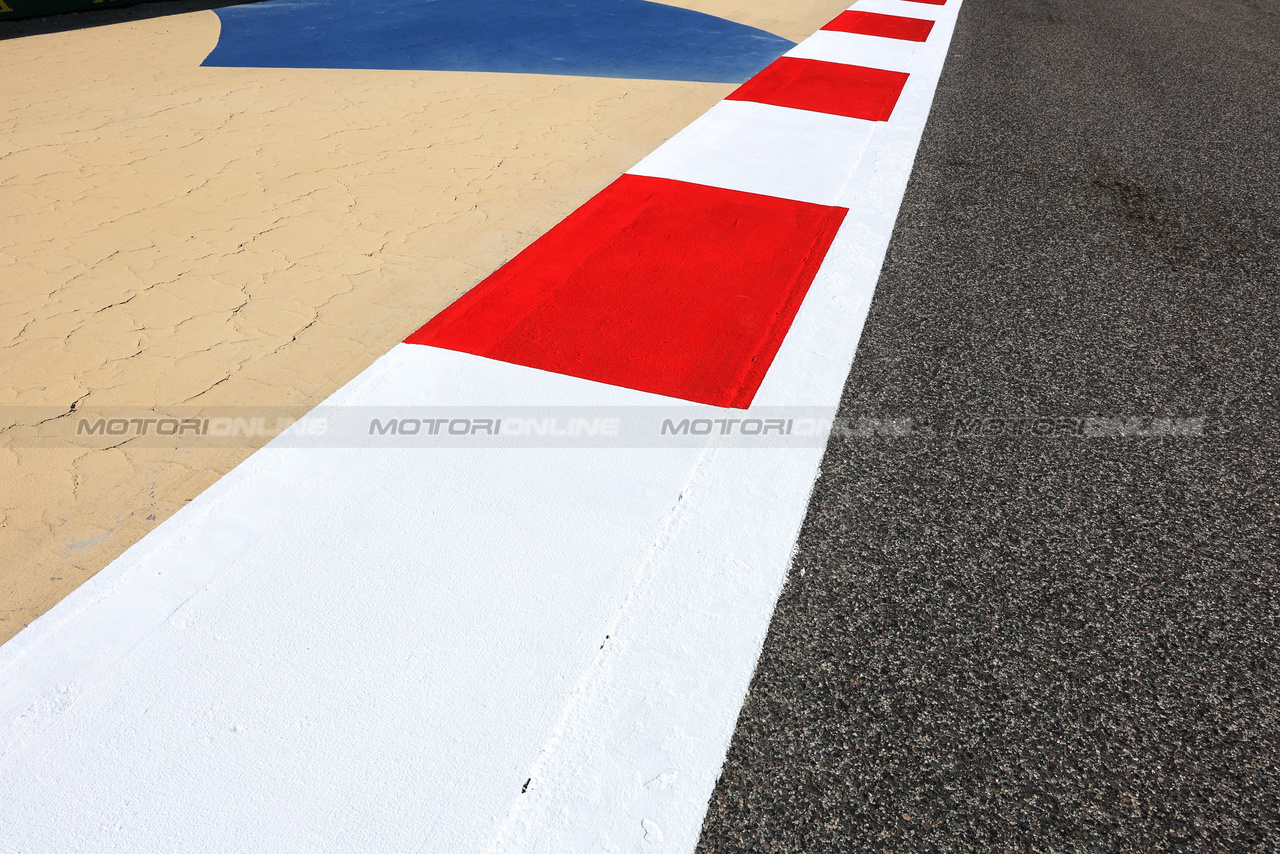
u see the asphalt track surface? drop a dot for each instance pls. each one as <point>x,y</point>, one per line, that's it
<point>1056,643</point>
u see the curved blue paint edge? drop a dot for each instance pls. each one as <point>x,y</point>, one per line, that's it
<point>594,38</point>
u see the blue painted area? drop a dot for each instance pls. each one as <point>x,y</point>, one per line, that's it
<point>598,38</point>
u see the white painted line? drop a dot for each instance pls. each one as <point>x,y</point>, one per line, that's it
<point>760,148</point>
<point>374,649</point>
<point>855,49</point>
<point>910,9</point>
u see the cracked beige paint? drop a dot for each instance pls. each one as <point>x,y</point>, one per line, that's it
<point>175,234</point>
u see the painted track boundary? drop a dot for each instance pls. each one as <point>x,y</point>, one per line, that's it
<point>449,649</point>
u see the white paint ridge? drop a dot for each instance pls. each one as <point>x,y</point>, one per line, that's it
<point>375,648</point>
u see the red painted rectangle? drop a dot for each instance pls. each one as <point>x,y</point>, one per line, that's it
<point>825,87</point>
<point>657,285</point>
<point>931,2</point>
<point>884,26</point>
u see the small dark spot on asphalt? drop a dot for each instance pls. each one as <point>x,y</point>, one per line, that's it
<point>1135,202</point>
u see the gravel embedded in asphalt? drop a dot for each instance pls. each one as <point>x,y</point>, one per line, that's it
<point>998,639</point>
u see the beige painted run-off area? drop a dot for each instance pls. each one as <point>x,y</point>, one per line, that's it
<point>179,236</point>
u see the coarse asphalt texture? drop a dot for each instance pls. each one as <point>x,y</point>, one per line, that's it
<point>1061,642</point>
